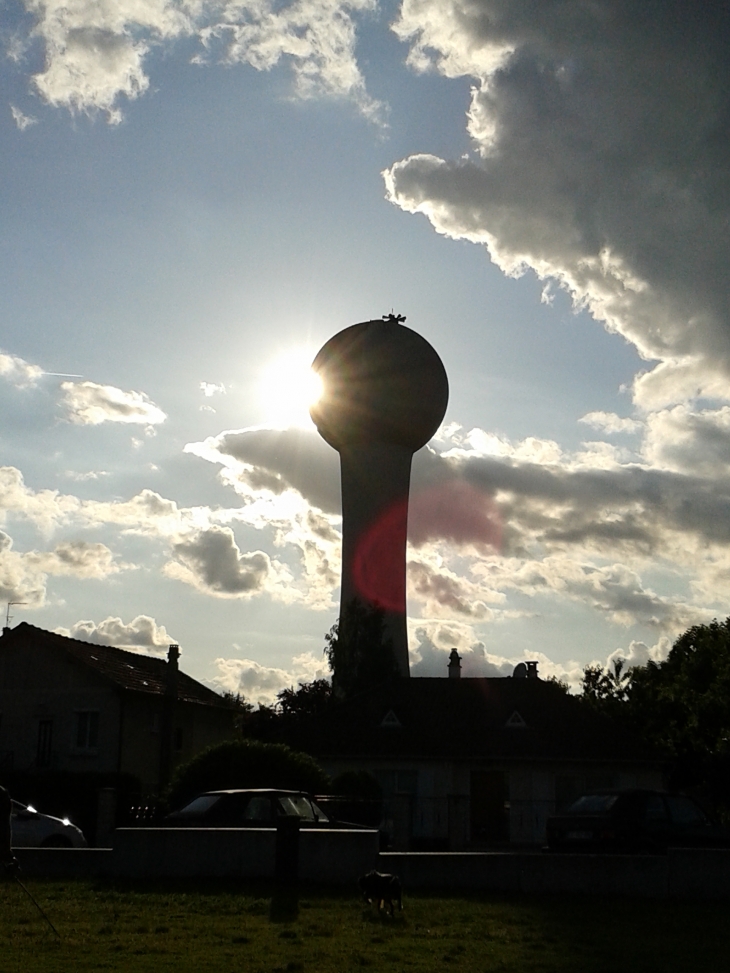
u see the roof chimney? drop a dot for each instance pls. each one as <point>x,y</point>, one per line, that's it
<point>532,670</point>
<point>454,665</point>
<point>173,654</point>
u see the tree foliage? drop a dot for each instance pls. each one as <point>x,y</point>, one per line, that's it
<point>359,651</point>
<point>310,701</point>
<point>246,763</point>
<point>684,702</point>
<point>681,705</point>
<point>607,689</point>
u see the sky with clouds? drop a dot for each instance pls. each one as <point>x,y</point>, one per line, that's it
<point>197,194</point>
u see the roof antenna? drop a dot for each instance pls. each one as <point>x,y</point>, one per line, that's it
<point>8,616</point>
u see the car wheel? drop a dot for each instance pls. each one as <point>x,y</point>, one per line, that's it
<point>56,841</point>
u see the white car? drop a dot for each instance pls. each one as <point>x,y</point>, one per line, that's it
<point>30,829</point>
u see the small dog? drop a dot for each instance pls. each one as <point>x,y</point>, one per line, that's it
<point>381,888</point>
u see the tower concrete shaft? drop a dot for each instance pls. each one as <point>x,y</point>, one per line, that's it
<point>375,485</point>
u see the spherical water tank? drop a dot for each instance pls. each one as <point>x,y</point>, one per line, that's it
<point>381,382</point>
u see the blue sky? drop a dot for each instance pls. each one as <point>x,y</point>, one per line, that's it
<point>195,196</point>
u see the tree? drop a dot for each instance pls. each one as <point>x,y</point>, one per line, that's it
<point>607,689</point>
<point>358,650</point>
<point>310,701</point>
<point>681,705</point>
<point>684,705</point>
<point>246,763</point>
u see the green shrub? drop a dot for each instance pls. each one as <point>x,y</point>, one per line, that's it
<point>246,763</point>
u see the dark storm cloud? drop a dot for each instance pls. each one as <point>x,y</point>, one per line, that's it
<point>500,502</point>
<point>214,563</point>
<point>278,460</point>
<point>603,136</point>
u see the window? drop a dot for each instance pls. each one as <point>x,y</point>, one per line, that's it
<point>87,730</point>
<point>45,735</point>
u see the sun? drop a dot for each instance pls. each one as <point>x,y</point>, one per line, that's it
<point>288,387</point>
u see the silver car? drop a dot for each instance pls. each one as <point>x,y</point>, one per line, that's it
<point>31,829</point>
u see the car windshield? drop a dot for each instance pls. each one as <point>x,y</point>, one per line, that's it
<point>300,807</point>
<point>593,804</point>
<point>199,806</point>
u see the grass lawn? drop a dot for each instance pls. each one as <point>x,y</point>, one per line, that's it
<point>205,926</point>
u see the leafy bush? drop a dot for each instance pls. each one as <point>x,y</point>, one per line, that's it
<point>246,763</point>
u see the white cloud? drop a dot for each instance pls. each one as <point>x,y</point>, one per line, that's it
<point>611,423</point>
<point>79,559</point>
<point>18,372</point>
<point>602,161</point>
<point>47,509</point>
<point>24,575</point>
<point>431,643</point>
<point>96,52</point>
<point>443,592</point>
<point>260,684</point>
<point>317,35</point>
<point>89,475</point>
<point>142,634</point>
<point>210,388</point>
<point>21,120</point>
<point>639,653</point>
<point>88,403</point>
<point>611,589</point>
<point>21,581</point>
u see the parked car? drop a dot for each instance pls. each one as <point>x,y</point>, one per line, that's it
<point>634,821</point>
<point>250,808</point>
<point>31,829</point>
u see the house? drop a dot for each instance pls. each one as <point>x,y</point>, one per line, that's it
<point>476,763</point>
<point>68,705</point>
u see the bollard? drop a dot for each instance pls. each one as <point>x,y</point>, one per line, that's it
<point>287,851</point>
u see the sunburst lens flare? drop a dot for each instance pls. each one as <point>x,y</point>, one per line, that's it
<point>288,388</point>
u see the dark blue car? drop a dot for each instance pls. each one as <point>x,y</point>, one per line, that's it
<point>634,821</point>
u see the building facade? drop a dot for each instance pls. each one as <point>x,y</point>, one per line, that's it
<point>479,763</point>
<point>68,705</point>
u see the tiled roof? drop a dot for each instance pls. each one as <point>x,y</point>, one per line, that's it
<point>496,718</point>
<point>128,670</point>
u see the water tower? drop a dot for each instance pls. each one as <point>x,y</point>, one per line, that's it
<point>384,394</point>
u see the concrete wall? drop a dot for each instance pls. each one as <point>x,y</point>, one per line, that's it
<point>331,856</point>
<point>682,873</point>
<point>339,857</point>
<point>194,852</point>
